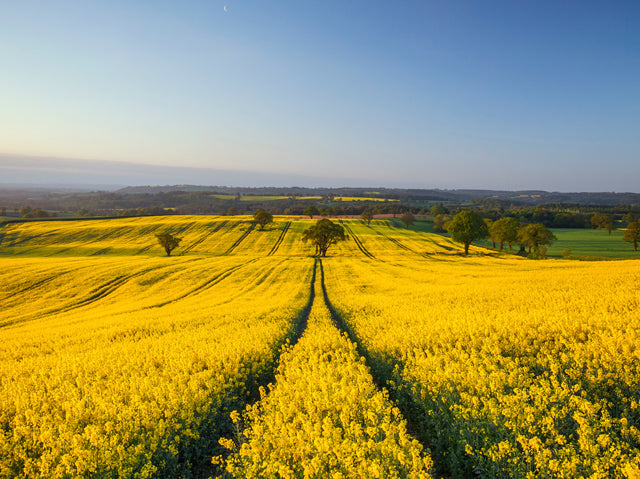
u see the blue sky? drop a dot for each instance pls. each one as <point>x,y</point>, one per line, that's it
<point>446,94</point>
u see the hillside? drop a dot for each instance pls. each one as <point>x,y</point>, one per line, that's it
<point>394,356</point>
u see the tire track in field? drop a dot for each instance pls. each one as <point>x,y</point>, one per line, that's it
<point>280,239</point>
<point>266,377</point>
<point>17,240</point>
<point>239,240</point>
<point>204,237</point>
<point>382,379</point>
<point>44,281</point>
<point>359,244</point>
<point>399,243</point>
<point>206,284</point>
<point>94,295</point>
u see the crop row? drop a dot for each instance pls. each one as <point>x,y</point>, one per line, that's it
<point>323,417</point>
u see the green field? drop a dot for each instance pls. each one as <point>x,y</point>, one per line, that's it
<point>583,242</point>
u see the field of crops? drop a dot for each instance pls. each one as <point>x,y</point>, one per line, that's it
<point>394,356</point>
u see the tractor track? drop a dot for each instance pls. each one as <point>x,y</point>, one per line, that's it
<point>359,244</point>
<point>204,237</point>
<point>96,294</point>
<point>399,243</point>
<point>280,239</point>
<point>205,285</point>
<point>239,240</point>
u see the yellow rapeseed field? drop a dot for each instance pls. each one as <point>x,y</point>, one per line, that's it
<point>117,361</point>
<point>324,418</point>
<point>512,368</point>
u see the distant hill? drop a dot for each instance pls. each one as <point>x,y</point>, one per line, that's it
<point>524,197</point>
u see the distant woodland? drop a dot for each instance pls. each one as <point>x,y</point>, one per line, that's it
<point>559,210</point>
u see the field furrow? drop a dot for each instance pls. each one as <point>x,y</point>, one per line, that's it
<point>277,244</point>
<point>323,417</point>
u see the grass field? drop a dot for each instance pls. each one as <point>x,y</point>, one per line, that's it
<point>590,242</point>
<point>394,356</point>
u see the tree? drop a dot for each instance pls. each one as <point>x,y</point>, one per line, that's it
<point>168,242</point>
<point>367,216</point>
<point>408,219</point>
<point>439,222</point>
<point>438,210</point>
<point>632,234</point>
<point>534,236</point>
<point>602,221</point>
<point>492,236</point>
<point>505,230</point>
<point>262,218</point>
<point>630,217</point>
<point>324,234</point>
<point>467,227</point>
<point>311,211</point>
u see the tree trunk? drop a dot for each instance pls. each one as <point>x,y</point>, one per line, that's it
<point>466,249</point>
<point>635,245</point>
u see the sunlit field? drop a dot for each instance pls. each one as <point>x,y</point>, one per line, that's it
<point>243,355</point>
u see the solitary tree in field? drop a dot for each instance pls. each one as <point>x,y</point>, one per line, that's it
<point>367,216</point>
<point>467,227</point>
<point>536,237</point>
<point>168,242</point>
<point>505,230</point>
<point>408,219</point>
<point>602,221</point>
<point>311,211</point>
<point>323,234</point>
<point>262,218</point>
<point>632,234</point>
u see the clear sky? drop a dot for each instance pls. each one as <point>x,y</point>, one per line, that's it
<point>448,94</point>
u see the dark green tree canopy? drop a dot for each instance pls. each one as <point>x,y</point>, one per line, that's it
<point>438,210</point>
<point>262,218</point>
<point>602,221</point>
<point>168,242</point>
<point>408,219</point>
<point>535,236</point>
<point>632,234</point>
<point>505,230</point>
<point>439,222</point>
<point>323,234</point>
<point>311,211</point>
<point>367,216</point>
<point>467,227</point>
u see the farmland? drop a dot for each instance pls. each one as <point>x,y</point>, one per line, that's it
<point>394,356</point>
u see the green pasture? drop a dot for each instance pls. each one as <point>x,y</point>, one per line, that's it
<point>589,242</point>
<point>586,244</point>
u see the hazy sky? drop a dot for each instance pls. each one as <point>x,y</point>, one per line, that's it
<point>486,94</point>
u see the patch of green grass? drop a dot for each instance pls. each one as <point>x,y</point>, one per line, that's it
<point>588,242</point>
<point>424,225</point>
